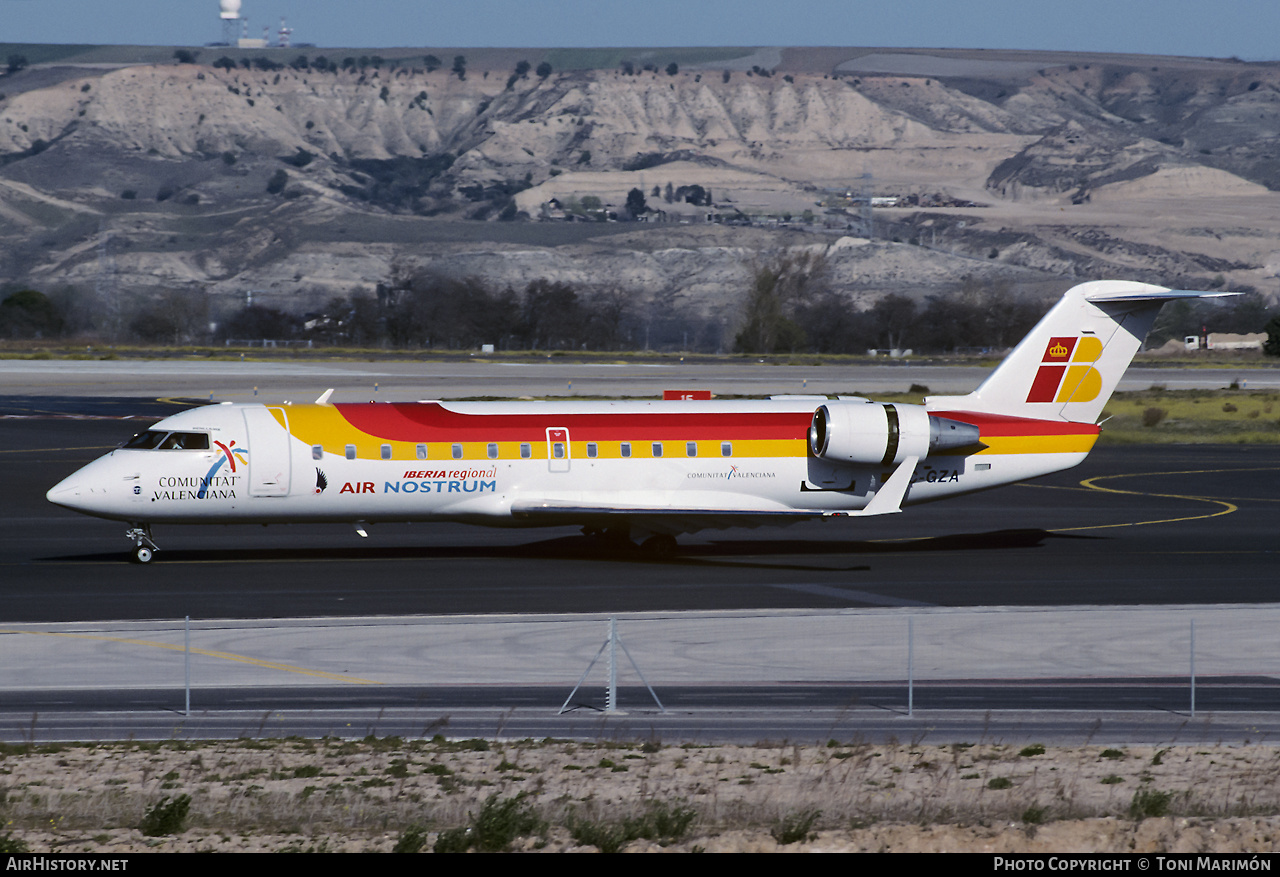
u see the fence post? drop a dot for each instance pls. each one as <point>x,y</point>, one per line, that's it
<point>611,696</point>
<point>186,661</point>
<point>1193,668</point>
<point>911,675</point>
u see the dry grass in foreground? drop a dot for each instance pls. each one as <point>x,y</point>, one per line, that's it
<point>1231,416</point>
<point>418,795</point>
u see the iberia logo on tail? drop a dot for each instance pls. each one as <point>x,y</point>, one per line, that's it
<point>1066,373</point>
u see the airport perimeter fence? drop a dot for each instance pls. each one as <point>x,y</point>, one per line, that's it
<point>904,660</point>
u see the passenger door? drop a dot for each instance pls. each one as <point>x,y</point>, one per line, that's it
<point>269,466</point>
<point>558,449</point>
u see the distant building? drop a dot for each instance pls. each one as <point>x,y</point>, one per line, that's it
<point>1223,341</point>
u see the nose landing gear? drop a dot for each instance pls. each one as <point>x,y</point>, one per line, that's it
<point>144,548</point>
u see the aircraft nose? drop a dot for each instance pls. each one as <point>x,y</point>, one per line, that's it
<point>66,492</point>
<point>84,490</point>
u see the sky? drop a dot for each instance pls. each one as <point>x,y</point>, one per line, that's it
<point>1248,29</point>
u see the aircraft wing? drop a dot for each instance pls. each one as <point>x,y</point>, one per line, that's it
<point>661,516</point>
<point>661,519</point>
<point>667,518</point>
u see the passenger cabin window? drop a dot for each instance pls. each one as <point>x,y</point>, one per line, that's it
<point>726,449</point>
<point>657,449</point>
<point>351,452</point>
<point>457,452</point>
<point>557,450</point>
<point>317,452</point>
<point>626,449</point>
<point>691,449</point>
<point>386,452</point>
<point>422,452</point>
<point>526,451</point>
<point>592,449</point>
<point>492,450</point>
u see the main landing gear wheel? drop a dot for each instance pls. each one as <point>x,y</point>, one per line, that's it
<point>141,554</point>
<point>659,546</point>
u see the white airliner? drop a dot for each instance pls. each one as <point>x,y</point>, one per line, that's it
<point>632,469</point>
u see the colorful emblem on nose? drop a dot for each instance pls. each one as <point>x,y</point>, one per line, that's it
<point>1066,373</point>
<point>230,455</point>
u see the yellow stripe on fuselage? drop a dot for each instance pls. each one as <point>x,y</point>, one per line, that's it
<point>1037,444</point>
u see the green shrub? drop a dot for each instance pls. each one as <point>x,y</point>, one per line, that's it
<point>1028,751</point>
<point>1035,815</point>
<point>498,823</point>
<point>412,840</point>
<point>661,822</point>
<point>278,181</point>
<point>166,816</point>
<point>1149,804</point>
<point>999,783</point>
<point>10,845</point>
<point>795,827</point>
<point>607,837</point>
<point>455,840</point>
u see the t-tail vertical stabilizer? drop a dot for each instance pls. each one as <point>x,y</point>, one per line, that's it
<point>1070,363</point>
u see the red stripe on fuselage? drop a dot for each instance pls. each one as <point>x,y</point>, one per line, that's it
<point>427,422</point>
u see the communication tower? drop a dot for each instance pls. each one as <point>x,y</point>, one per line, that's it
<point>230,15</point>
<point>283,35</point>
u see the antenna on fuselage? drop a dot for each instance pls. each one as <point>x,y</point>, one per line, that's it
<point>324,397</point>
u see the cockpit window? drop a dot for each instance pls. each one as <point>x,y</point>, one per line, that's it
<point>186,441</point>
<point>168,441</point>
<point>145,441</point>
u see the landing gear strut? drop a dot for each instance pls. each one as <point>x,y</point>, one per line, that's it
<point>623,537</point>
<point>661,545</point>
<point>144,548</point>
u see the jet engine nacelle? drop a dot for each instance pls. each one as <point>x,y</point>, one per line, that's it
<point>873,433</point>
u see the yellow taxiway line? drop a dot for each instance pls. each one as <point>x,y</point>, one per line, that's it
<point>225,656</point>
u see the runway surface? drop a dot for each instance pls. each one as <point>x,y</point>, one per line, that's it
<point>356,381</point>
<point>1155,526</point>
<point>1132,525</point>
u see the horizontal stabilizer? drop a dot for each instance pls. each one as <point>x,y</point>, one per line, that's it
<point>1159,294</point>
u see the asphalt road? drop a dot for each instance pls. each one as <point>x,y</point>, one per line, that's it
<point>357,381</point>
<point>1133,526</point>
<point>1152,525</point>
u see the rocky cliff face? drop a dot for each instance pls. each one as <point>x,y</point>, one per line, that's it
<point>301,183</point>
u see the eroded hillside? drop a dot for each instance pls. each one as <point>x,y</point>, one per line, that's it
<point>304,182</point>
